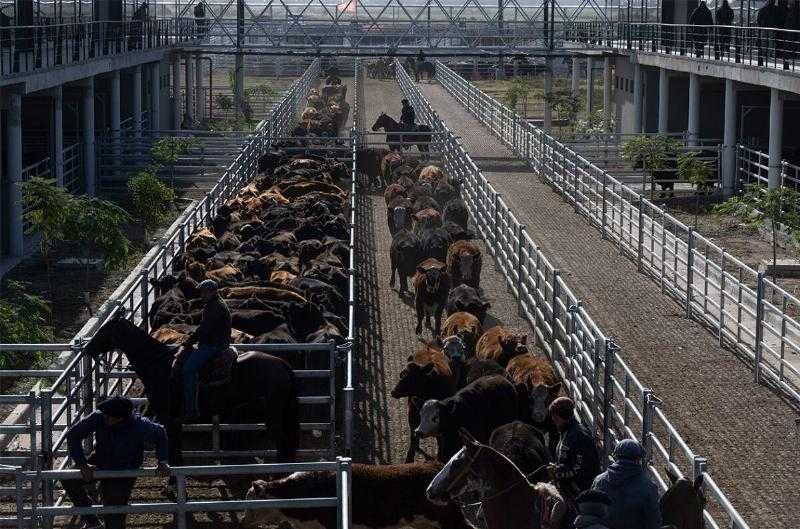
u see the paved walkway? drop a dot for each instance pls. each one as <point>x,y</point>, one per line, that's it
<point>747,432</point>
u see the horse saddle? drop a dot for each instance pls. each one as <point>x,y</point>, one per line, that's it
<point>217,371</point>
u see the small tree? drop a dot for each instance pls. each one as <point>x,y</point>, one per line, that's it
<point>519,89</point>
<point>151,199</point>
<point>651,152</point>
<point>46,206</point>
<point>565,105</point>
<point>23,319</point>
<point>696,172</point>
<point>97,226</point>
<point>167,150</point>
<point>224,101</point>
<point>780,206</point>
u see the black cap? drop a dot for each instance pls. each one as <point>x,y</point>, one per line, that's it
<point>116,406</point>
<point>594,496</point>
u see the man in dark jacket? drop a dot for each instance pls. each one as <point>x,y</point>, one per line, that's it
<point>407,115</point>
<point>634,498</point>
<point>592,510</point>
<point>212,336</point>
<point>724,20</point>
<point>120,440</point>
<point>702,18</point>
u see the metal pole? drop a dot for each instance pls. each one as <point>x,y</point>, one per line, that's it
<point>608,396</point>
<point>759,327</point>
<point>690,273</point>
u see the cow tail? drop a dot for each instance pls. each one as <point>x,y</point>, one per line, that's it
<point>291,420</point>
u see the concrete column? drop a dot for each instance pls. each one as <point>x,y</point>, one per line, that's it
<point>637,98</point>
<point>607,89</point>
<point>575,76</point>
<point>238,89</point>
<point>775,137</point>
<point>693,126</point>
<point>176,92</point>
<point>87,126</point>
<point>14,165</point>
<point>729,141</point>
<point>155,94</point>
<point>589,84</point>
<point>58,134</point>
<point>116,119</point>
<point>137,100</point>
<point>663,101</point>
<point>190,92</point>
<point>548,91</point>
<point>200,99</point>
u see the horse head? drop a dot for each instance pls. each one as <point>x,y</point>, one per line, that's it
<point>109,335</point>
<point>462,473</point>
<point>683,503</point>
<point>380,122</point>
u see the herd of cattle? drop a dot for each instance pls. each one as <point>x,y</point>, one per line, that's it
<point>326,111</point>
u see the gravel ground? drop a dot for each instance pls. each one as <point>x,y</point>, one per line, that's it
<point>747,431</point>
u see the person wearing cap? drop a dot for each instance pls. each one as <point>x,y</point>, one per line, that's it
<point>407,115</point>
<point>212,336</point>
<point>577,461</point>
<point>592,510</point>
<point>120,440</point>
<point>634,497</point>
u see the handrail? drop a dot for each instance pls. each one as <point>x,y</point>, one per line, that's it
<point>608,395</point>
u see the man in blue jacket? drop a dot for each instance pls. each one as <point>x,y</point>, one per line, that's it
<point>120,440</point>
<point>634,498</point>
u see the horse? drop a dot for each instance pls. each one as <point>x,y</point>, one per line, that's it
<point>420,67</point>
<point>507,498</point>
<point>262,388</point>
<point>683,502</point>
<point>396,141</point>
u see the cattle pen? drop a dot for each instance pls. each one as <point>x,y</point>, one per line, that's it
<point>360,421</point>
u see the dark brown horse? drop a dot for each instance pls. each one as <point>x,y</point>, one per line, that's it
<point>262,388</point>
<point>398,141</point>
<point>683,503</point>
<point>507,498</point>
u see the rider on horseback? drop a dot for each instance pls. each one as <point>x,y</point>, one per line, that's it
<point>407,116</point>
<point>212,336</point>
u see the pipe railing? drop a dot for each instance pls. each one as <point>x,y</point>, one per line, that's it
<point>752,167</point>
<point>749,312</point>
<point>609,396</point>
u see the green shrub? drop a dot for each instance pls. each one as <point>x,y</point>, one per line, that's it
<point>167,150</point>
<point>151,199</point>
<point>23,319</point>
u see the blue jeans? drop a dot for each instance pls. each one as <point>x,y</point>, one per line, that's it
<point>202,354</point>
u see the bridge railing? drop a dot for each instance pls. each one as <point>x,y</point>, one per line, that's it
<point>752,167</point>
<point>750,313</point>
<point>26,49</point>
<point>182,508</point>
<point>608,394</point>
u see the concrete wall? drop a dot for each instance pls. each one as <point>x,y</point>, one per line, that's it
<point>623,93</point>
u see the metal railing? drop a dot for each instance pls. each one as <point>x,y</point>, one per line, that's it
<point>32,514</point>
<point>766,47</point>
<point>83,379</point>
<point>26,49</point>
<point>752,167</point>
<point>750,313</point>
<point>609,396</point>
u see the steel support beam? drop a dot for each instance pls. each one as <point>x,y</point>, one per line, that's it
<point>155,94</point>
<point>729,140</point>
<point>116,118</point>
<point>199,93</point>
<point>693,125</point>
<point>663,101</point>
<point>87,124</point>
<point>548,91</point>
<point>57,125</point>
<point>14,165</point>
<point>137,100</point>
<point>589,85</point>
<point>637,98</point>
<point>176,91</point>
<point>608,90</point>
<point>190,85</point>
<point>775,138</point>
<point>575,75</point>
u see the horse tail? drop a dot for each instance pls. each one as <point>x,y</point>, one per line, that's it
<point>291,420</point>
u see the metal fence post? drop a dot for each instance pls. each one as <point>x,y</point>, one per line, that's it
<point>640,242</point>
<point>46,400</point>
<point>699,465</point>
<point>689,273</point>
<point>554,309</point>
<point>603,217</point>
<point>649,403</point>
<point>180,500</point>
<point>145,287</point>
<point>520,268</point>
<point>759,352</point>
<point>608,396</point>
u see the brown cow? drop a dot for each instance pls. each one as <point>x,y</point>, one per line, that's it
<point>226,275</point>
<point>427,218</point>
<point>386,496</point>
<point>464,263</point>
<point>427,375</point>
<point>392,160</point>
<point>501,345</point>
<point>467,327</point>
<point>271,293</point>
<point>281,277</point>
<point>432,174</point>
<point>541,385</point>
<point>392,192</point>
<point>431,285</point>
<point>201,238</point>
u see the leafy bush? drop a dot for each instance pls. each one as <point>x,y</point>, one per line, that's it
<point>223,101</point>
<point>564,104</point>
<point>519,89</point>
<point>166,150</point>
<point>151,199</point>
<point>23,319</point>
<point>98,226</point>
